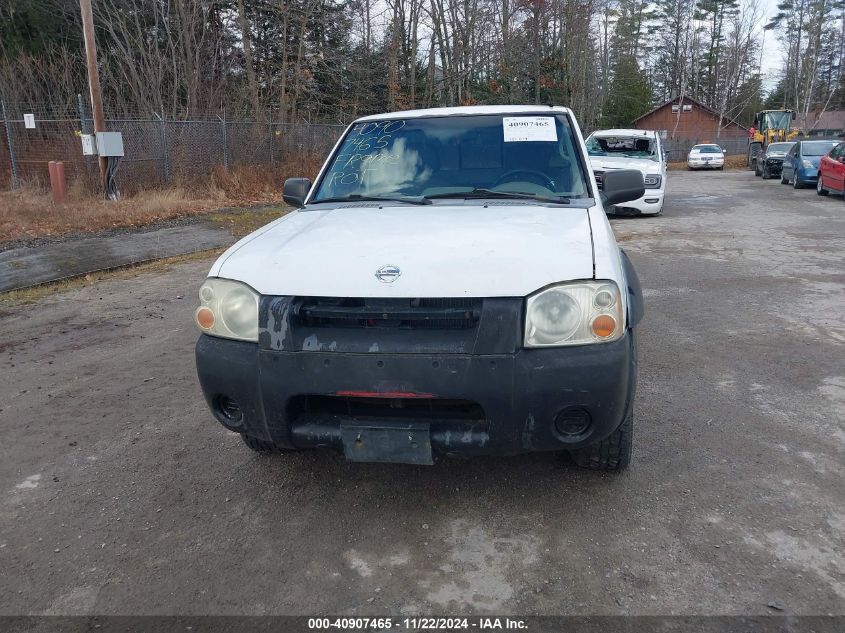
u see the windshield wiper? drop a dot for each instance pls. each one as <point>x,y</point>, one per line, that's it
<point>492,193</point>
<point>356,197</point>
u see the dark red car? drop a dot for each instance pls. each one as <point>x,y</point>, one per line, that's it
<point>832,172</point>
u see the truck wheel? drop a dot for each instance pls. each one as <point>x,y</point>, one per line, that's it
<point>261,446</point>
<point>754,150</point>
<point>612,454</point>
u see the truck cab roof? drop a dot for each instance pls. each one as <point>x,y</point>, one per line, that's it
<point>467,111</point>
<point>622,132</point>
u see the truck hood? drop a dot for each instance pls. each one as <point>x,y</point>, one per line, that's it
<point>644,165</point>
<point>503,250</point>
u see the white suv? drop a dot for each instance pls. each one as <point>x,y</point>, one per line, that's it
<point>448,286</point>
<point>631,149</point>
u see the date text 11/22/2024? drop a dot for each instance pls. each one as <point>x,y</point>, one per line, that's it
<point>417,624</point>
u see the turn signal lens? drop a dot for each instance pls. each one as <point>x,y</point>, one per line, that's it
<point>205,318</point>
<point>603,325</point>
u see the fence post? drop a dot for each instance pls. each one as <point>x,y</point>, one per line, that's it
<point>272,143</point>
<point>10,143</point>
<point>162,133</point>
<point>84,129</point>
<point>225,141</point>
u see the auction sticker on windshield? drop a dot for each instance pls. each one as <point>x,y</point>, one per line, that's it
<point>529,128</point>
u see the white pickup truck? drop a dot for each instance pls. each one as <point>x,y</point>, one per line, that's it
<point>632,149</point>
<point>448,286</point>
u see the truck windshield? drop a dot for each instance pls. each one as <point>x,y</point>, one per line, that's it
<point>441,157</point>
<point>777,120</point>
<point>626,146</point>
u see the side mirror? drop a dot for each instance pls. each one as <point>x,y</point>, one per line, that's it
<point>622,185</point>
<point>295,191</point>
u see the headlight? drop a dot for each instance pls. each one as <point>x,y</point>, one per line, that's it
<point>574,314</point>
<point>228,309</point>
<point>652,181</point>
<point>807,164</point>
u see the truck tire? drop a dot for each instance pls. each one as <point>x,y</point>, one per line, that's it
<point>612,454</point>
<point>754,150</point>
<point>261,446</point>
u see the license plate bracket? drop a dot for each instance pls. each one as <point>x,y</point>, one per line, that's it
<point>395,443</point>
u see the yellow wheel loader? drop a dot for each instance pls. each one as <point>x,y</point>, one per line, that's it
<point>770,126</point>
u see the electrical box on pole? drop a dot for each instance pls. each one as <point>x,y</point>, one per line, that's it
<point>89,145</point>
<point>109,144</point>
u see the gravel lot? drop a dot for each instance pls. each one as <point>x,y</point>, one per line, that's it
<point>121,495</point>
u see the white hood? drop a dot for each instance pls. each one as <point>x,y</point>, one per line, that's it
<point>441,251</point>
<point>644,165</point>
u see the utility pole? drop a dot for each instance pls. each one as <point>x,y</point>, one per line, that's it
<point>93,76</point>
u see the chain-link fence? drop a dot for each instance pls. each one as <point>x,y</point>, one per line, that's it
<point>157,150</point>
<point>160,150</point>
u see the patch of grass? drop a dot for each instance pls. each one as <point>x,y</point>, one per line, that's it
<point>29,211</point>
<point>27,296</point>
<point>737,161</point>
<point>242,223</point>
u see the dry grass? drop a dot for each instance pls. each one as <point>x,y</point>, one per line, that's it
<point>737,161</point>
<point>242,223</point>
<point>29,212</point>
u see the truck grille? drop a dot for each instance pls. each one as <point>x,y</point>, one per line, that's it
<point>444,314</point>
<point>386,407</point>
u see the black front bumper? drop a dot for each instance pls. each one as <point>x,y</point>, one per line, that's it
<point>774,167</point>
<point>521,394</point>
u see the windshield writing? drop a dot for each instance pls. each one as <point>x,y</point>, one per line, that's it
<point>443,156</point>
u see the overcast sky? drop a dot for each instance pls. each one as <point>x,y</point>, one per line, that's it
<point>772,55</point>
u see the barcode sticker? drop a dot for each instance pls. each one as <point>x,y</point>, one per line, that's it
<point>529,128</point>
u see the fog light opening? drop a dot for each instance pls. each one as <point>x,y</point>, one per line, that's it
<point>573,423</point>
<point>229,411</point>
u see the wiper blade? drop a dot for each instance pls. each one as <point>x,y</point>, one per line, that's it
<point>492,193</point>
<point>355,197</point>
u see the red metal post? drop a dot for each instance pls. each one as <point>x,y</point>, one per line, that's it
<point>58,183</point>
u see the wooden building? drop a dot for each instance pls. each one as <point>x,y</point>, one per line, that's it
<point>685,119</point>
<point>830,124</point>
